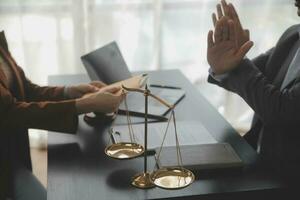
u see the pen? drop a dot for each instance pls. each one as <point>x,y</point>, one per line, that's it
<point>137,114</point>
<point>165,86</point>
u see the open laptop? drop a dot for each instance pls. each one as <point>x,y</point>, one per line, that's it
<point>107,64</point>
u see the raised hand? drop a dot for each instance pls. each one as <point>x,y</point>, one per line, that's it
<point>243,35</point>
<point>223,52</point>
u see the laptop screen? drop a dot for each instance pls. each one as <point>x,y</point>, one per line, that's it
<point>106,64</point>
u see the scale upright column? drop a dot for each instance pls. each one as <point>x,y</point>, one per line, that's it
<point>143,180</point>
<point>146,128</point>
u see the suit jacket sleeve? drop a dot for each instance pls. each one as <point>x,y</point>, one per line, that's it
<point>269,103</point>
<point>55,116</point>
<point>36,93</point>
<point>261,60</point>
<point>260,63</point>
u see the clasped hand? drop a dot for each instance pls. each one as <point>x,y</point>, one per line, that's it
<point>77,91</point>
<point>96,97</point>
<point>228,44</point>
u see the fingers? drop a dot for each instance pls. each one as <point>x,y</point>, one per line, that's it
<point>232,34</point>
<point>221,30</point>
<point>98,84</point>
<point>234,14</point>
<point>87,88</point>
<point>247,32</point>
<point>112,90</point>
<point>219,11</point>
<point>214,19</point>
<point>225,29</point>
<point>218,34</point>
<point>226,8</point>
<point>244,49</point>
<point>210,40</point>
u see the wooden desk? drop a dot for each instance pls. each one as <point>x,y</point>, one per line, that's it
<point>78,168</point>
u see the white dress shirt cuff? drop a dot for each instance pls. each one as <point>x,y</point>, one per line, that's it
<point>219,77</point>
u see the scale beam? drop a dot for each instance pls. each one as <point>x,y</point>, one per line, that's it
<point>149,94</point>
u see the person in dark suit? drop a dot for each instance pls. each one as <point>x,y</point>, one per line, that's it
<point>25,105</point>
<point>269,83</point>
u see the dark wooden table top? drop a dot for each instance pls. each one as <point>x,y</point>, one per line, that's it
<point>78,168</point>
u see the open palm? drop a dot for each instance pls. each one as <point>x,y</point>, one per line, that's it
<point>230,12</point>
<point>223,51</point>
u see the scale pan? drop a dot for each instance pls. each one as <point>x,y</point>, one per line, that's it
<point>123,151</point>
<point>172,178</point>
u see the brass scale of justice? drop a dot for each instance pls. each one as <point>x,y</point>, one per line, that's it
<point>165,177</point>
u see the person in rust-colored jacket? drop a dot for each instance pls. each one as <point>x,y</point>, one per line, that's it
<point>25,105</point>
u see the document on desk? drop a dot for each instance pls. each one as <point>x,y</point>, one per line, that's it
<point>201,157</point>
<point>189,133</point>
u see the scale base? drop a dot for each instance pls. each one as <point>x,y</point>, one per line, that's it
<point>142,181</point>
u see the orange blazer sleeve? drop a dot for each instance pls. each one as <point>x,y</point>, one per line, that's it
<point>58,116</point>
